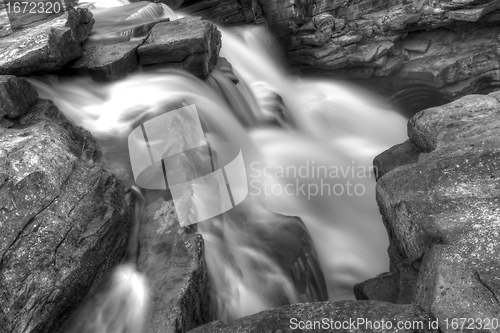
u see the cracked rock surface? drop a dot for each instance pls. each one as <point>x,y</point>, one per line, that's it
<point>63,220</point>
<point>46,46</point>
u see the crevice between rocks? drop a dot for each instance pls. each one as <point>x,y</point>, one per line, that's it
<point>30,221</point>
<point>478,278</point>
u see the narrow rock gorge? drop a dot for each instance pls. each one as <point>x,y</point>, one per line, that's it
<point>411,51</point>
<point>74,84</point>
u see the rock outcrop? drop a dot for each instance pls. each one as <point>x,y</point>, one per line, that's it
<point>188,43</point>
<point>441,210</point>
<point>172,258</point>
<point>47,45</point>
<point>107,62</point>
<point>57,43</point>
<point>339,316</point>
<point>425,49</point>
<point>63,219</point>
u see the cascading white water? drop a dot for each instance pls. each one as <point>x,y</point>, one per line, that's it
<point>336,127</point>
<point>332,134</point>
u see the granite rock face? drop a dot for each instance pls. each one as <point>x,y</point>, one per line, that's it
<point>441,211</point>
<point>63,220</point>
<point>188,43</point>
<point>391,46</point>
<point>303,316</point>
<point>172,258</point>
<point>46,46</point>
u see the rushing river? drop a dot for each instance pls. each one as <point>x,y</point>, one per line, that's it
<point>308,146</point>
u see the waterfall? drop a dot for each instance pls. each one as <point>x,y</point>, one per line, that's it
<point>326,138</point>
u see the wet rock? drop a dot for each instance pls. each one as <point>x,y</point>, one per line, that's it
<point>324,315</point>
<point>380,288</point>
<point>442,211</point>
<point>398,155</point>
<point>16,96</point>
<point>348,39</point>
<point>172,259</point>
<point>108,62</point>
<point>417,45</point>
<point>225,67</point>
<point>63,220</point>
<point>189,43</point>
<point>111,53</point>
<point>289,245</point>
<point>396,286</point>
<point>47,46</point>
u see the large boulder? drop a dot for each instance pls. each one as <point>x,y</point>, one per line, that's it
<point>63,220</point>
<point>46,46</point>
<point>107,61</point>
<point>111,52</point>
<point>172,258</point>
<point>189,43</point>
<point>441,211</point>
<point>342,316</point>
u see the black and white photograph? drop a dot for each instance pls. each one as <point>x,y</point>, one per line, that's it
<point>249,166</point>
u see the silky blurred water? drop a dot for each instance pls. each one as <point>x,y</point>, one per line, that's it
<point>308,146</point>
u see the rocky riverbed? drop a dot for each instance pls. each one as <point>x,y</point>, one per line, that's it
<point>65,220</point>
